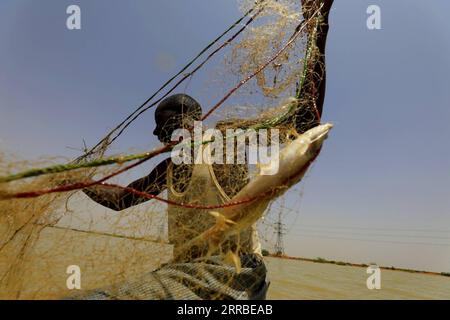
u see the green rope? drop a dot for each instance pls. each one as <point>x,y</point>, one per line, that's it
<point>126,158</point>
<point>270,123</point>
<point>72,166</point>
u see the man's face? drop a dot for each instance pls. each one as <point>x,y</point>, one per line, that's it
<point>166,122</point>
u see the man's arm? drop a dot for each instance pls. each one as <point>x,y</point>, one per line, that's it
<point>117,199</point>
<point>313,89</point>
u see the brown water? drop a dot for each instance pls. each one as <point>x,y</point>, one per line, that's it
<point>105,259</point>
<point>293,279</point>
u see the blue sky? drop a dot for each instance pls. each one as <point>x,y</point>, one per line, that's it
<point>379,191</point>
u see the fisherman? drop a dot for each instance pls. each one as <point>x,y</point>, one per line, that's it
<point>204,184</point>
<point>199,274</point>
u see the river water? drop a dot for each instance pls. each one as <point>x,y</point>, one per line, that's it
<point>294,279</point>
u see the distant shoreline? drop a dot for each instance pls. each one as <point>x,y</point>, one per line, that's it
<point>361,265</point>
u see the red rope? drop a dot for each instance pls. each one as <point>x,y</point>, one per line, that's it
<point>77,186</point>
<point>259,70</point>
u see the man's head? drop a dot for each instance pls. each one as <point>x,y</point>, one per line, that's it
<point>175,112</point>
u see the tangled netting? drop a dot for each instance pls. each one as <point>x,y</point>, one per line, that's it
<point>48,226</point>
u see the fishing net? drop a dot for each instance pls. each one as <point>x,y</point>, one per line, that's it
<point>200,230</point>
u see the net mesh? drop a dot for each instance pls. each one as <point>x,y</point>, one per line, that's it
<point>47,224</point>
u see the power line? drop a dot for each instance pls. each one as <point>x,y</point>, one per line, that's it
<point>379,229</point>
<point>375,234</point>
<point>374,240</point>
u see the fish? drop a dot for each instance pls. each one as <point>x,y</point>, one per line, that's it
<point>293,162</point>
